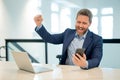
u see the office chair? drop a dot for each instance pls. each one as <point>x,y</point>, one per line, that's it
<point>59,57</point>
<point>0,52</point>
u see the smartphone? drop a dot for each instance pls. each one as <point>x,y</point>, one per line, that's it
<point>79,51</point>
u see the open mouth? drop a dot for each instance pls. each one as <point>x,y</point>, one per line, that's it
<point>80,29</point>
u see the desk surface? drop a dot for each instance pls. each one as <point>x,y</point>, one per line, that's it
<point>9,71</point>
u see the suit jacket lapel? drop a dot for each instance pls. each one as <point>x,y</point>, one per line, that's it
<point>87,41</point>
<point>71,38</point>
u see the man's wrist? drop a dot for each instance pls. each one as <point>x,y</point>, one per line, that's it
<point>38,27</point>
<point>86,66</point>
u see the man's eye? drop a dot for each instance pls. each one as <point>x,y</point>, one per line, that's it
<point>84,23</point>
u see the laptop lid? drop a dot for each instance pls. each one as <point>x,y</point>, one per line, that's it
<point>23,62</point>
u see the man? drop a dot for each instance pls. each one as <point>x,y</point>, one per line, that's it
<point>81,37</point>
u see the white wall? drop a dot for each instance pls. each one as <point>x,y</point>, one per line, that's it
<point>16,19</point>
<point>99,4</point>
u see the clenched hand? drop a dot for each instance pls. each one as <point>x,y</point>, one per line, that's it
<point>38,19</point>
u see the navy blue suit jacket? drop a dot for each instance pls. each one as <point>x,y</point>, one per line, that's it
<point>93,44</point>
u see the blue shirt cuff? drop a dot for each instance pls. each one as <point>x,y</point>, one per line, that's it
<point>38,27</point>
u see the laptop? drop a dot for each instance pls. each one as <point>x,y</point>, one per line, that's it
<point>23,62</point>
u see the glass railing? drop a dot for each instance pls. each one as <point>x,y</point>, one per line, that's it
<point>42,52</point>
<point>35,48</point>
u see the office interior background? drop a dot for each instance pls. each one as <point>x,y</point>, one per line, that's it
<point>16,22</point>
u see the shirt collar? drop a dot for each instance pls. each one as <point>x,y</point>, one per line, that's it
<point>81,37</point>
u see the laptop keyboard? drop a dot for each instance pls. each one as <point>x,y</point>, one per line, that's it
<point>38,68</point>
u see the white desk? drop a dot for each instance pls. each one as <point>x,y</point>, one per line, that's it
<point>9,71</point>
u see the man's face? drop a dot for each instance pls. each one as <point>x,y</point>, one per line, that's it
<point>82,24</point>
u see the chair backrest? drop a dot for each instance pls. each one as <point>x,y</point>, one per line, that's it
<point>59,57</point>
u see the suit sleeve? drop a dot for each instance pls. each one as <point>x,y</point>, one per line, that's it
<point>97,53</point>
<point>50,38</point>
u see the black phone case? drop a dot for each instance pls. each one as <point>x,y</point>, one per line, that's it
<point>79,51</point>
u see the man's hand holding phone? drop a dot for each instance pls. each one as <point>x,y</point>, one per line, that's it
<point>79,58</point>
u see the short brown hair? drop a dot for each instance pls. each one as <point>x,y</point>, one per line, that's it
<point>85,12</point>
